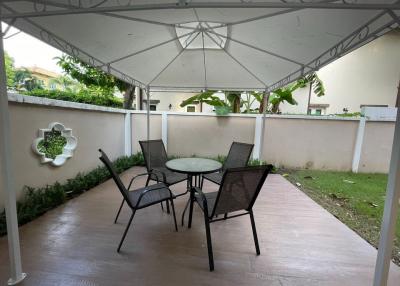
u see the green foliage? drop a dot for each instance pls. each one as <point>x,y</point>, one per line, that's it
<point>355,199</point>
<point>222,107</point>
<point>10,69</point>
<point>25,81</point>
<point>66,83</point>
<point>285,94</point>
<point>252,162</point>
<point>53,144</point>
<point>235,100</point>
<point>315,81</point>
<point>37,201</point>
<point>91,76</point>
<point>204,97</point>
<point>222,110</point>
<point>87,96</point>
<point>354,114</point>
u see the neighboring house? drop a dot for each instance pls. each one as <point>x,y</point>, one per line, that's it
<point>46,77</point>
<point>368,76</point>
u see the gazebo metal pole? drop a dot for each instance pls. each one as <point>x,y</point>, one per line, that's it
<point>265,105</point>
<point>148,121</point>
<point>390,212</point>
<point>7,177</point>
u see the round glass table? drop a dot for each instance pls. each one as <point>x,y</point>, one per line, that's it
<point>195,168</point>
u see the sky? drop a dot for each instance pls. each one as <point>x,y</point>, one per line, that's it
<point>28,51</point>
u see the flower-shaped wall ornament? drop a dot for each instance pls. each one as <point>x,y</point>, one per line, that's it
<point>55,144</point>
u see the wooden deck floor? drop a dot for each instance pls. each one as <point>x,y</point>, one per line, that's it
<point>301,244</point>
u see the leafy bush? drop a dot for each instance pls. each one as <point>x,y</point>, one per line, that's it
<point>37,201</point>
<point>83,96</point>
<point>53,144</point>
<point>252,162</point>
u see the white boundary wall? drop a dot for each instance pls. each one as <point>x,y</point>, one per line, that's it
<point>322,142</point>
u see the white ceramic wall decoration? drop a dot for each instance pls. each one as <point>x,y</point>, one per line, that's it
<point>67,150</point>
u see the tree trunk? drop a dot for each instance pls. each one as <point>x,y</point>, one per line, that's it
<point>275,108</point>
<point>236,105</point>
<point>129,96</point>
<point>140,98</point>
<point>262,104</point>
<point>309,99</point>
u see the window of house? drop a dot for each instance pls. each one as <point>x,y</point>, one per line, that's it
<point>190,108</point>
<point>318,111</point>
<point>153,107</point>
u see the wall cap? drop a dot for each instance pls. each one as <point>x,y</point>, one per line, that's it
<point>27,99</point>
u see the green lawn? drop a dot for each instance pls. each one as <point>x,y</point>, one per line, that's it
<point>355,199</point>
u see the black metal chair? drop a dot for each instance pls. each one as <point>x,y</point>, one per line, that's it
<point>155,157</point>
<point>139,198</point>
<point>238,156</point>
<point>238,192</point>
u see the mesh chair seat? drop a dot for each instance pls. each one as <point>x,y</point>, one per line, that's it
<point>171,178</point>
<point>149,198</point>
<point>214,177</point>
<point>210,197</point>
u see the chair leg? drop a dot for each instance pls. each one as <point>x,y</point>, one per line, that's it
<point>167,203</point>
<point>202,182</point>
<point>126,231</point>
<point>209,243</point>
<point>162,206</point>
<point>191,198</point>
<point>173,212</point>
<point>148,180</point>
<point>225,215</point>
<point>253,226</point>
<point>119,211</point>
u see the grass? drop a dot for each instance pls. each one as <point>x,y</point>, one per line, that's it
<point>355,199</point>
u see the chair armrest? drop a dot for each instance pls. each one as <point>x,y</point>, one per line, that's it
<point>162,173</point>
<point>142,194</point>
<point>140,175</point>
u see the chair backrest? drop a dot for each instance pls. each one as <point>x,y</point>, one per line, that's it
<point>154,153</point>
<point>239,188</point>
<point>104,158</point>
<point>238,156</point>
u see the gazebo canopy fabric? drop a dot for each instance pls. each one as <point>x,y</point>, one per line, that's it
<point>230,45</point>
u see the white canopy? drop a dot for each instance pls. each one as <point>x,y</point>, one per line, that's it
<point>195,44</point>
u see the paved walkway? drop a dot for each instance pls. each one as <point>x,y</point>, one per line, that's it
<point>301,244</point>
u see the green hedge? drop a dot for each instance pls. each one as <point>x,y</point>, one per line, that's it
<point>37,201</point>
<point>83,96</point>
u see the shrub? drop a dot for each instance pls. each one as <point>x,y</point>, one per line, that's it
<point>37,201</point>
<point>83,96</point>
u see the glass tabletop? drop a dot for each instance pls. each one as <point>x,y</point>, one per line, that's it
<point>193,165</point>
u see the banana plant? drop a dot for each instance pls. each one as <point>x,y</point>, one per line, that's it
<point>204,97</point>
